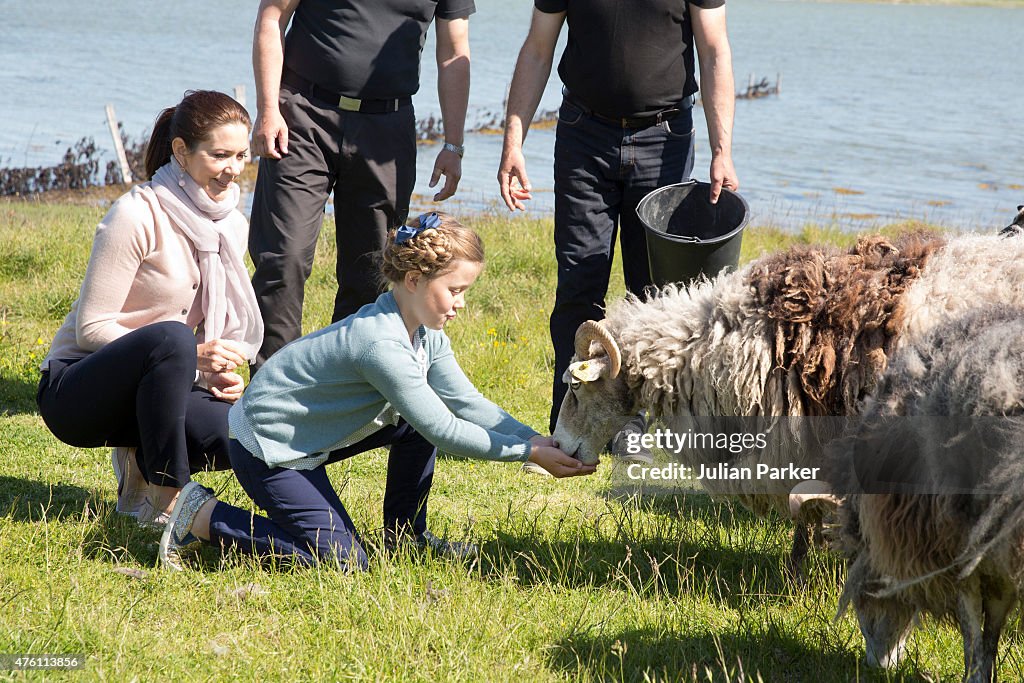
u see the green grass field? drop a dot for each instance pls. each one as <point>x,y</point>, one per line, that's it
<point>575,582</point>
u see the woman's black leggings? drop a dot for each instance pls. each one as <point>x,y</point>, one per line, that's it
<point>139,391</point>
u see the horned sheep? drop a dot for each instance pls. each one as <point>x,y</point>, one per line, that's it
<point>801,334</point>
<point>932,489</point>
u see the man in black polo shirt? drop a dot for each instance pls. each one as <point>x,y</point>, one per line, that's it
<point>624,128</point>
<point>334,112</point>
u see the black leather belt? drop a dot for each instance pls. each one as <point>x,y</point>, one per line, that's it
<point>629,121</point>
<point>336,99</point>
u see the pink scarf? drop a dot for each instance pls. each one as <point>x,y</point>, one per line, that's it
<point>229,304</point>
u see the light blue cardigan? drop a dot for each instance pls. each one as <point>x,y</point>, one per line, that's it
<point>317,392</point>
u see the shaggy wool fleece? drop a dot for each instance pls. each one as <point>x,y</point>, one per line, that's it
<point>802,334</point>
<point>948,421</point>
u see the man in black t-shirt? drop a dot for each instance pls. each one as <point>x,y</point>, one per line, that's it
<point>624,128</point>
<point>334,113</point>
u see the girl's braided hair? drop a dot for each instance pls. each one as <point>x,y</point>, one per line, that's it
<point>430,251</point>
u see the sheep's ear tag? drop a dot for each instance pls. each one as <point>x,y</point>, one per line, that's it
<point>586,370</point>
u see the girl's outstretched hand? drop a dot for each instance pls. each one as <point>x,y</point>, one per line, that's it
<point>558,463</point>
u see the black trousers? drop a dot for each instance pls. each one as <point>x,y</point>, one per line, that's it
<point>306,519</point>
<point>602,172</point>
<point>138,391</point>
<point>369,162</point>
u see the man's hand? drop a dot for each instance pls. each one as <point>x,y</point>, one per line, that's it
<point>718,92</point>
<point>452,55</point>
<point>723,174</point>
<point>533,66</point>
<point>270,135</point>
<point>448,164</point>
<point>512,178</point>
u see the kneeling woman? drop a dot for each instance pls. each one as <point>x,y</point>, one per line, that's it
<point>384,376</point>
<point>145,359</point>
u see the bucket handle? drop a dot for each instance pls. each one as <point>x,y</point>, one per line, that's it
<point>689,239</point>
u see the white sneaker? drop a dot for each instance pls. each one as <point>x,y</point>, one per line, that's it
<point>150,518</point>
<point>128,501</point>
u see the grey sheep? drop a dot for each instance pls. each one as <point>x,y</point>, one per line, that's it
<point>932,489</point>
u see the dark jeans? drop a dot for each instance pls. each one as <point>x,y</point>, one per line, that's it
<point>307,521</point>
<point>602,171</point>
<point>369,161</point>
<point>138,391</point>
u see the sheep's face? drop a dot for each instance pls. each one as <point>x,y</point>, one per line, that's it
<point>596,406</point>
<point>884,621</point>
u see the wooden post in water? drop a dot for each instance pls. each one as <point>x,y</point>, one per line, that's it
<point>122,158</point>
<point>240,94</point>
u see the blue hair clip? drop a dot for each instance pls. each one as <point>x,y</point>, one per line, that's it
<point>427,221</point>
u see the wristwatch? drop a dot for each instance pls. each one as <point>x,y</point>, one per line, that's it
<point>458,149</point>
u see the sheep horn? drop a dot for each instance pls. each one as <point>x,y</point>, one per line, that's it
<point>592,330</point>
<point>805,491</point>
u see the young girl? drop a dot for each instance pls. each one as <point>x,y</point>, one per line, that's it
<point>384,376</point>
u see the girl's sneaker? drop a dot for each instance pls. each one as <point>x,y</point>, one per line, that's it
<point>178,532</point>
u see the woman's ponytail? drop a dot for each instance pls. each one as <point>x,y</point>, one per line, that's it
<point>158,151</point>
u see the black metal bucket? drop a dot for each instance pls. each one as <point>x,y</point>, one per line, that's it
<point>687,235</point>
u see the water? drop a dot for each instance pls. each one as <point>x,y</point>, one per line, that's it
<point>886,111</point>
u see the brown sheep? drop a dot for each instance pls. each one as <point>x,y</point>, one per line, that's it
<point>795,340</point>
